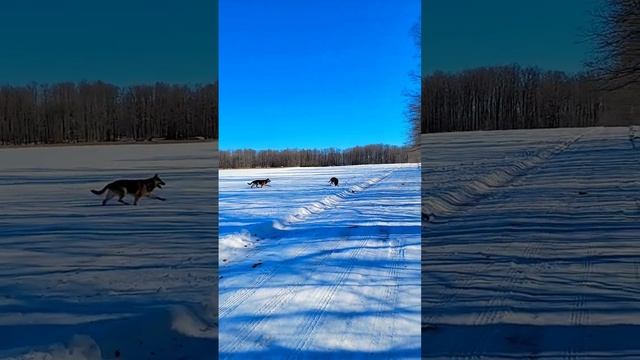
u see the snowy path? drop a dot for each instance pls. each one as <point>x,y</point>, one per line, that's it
<point>77,277</point>
<point>328,272</point>
<point>532,245</point>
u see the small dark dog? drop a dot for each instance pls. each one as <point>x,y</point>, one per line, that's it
<point>261,183</point>
<point>333,181</point>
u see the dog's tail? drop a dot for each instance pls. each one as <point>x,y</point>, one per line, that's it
<point>249,183</point>
<point>99,192</point>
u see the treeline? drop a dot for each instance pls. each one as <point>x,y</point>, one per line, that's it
<point>97,112</point>
<point>511,97</point>
<point>359,155</point>
<point>507,97</point>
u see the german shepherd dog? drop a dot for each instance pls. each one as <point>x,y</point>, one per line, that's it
<point>137,188</point>
<point>333,181</point>
<point>260,182</point>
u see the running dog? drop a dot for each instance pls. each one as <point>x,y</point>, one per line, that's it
<point>333,181</point>
<point>260,182</point>
<point>137,188</point>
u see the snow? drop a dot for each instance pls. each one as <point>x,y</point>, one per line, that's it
<point>327,272</point>
<point>531,244</point>
<point>83,281</point>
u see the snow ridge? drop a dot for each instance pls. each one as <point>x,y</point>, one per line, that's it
<point>334,262</point>
<point>233,244</point>
<point>471,191</point>
<point>634,135</point>
<point>328,202</point>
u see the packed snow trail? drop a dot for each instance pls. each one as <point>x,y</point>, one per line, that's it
<point>330,272</point>
<point>546,263</point>
<point>84,281</point>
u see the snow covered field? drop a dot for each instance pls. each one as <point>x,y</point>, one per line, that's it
<point>308,270</point>
<point>83,281</point>
<point>532,244</point>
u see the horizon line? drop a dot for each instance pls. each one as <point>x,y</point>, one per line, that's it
<point>114,83</point>
<point>583,70</point>
<point>316,148</point>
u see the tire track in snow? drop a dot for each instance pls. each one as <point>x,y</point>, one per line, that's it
<point>268,272</point>
<point>330,201</point>
<point>279,227</point>
<point>392,292</point>
<point>452,293</point>
<point>577,278</point>
<point>240,296</point>
<point>286,294</point>
<point>581,316</point>
<point>281,298</point>
<point>308,326</point>
<point>483,188</point>
<point>496,308</point>
<point>514,277</point>
<point>470,192</point>
<point>275,229</point>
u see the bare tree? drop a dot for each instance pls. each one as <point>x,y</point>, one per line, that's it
<point>617,44</point>
<point>414,103</point>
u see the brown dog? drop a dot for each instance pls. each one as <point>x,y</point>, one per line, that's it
<point>137,188</point>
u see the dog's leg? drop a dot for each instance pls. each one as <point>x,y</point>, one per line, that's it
<point>108,197</point>
<point>135,200</point>
<point>122,201</point>
<point>121,194</point>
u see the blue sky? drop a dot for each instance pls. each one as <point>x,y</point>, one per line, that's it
<point>315,74</point>
<point>117,41</point>
<point>461,34</point>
